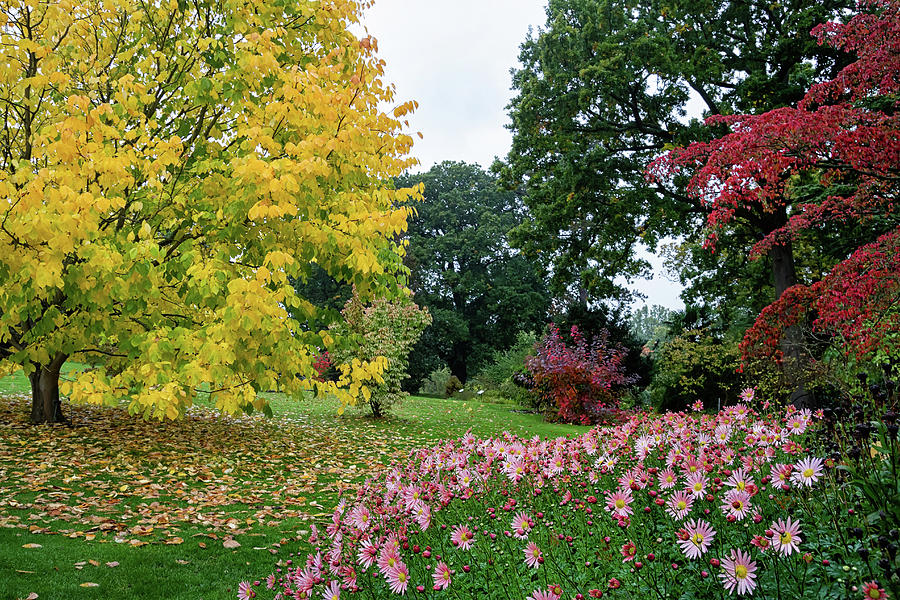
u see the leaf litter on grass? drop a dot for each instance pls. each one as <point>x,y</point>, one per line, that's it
<point>110,476</point>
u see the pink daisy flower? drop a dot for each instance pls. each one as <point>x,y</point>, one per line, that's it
<point>533,555</point>
<point>679,504</point>
<point>388,559</point>
<point>629,550</point>
<point>667,479</point>
<point>739,573</point>
<point>367,554</point>
<point>736,504</point>
<point>807,471</point>
<point>619,503</point>
<point>360,517</point>
<point>543,595</point>
<point>246,591</point>
<point>787,536</point>
<point>521,525</point>
<point>462,537</point>
<point>696,538</point>
<point>872,591</point>
<point>332,592</point>
<point>441,576</point>
<point>739,480</point>
<point>696,484</point>
<point>398,578</point>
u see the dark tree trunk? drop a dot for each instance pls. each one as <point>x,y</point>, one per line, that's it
<point>45,404</point>
<point>784,273</point>
<point>458,362</point>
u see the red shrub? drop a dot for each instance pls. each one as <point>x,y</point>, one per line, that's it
<point>582,380</point>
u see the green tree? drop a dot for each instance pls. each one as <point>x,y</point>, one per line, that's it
<point>604,89</point>
<point>479,290</point>
<point>166,170</point>
<point>384,330</point>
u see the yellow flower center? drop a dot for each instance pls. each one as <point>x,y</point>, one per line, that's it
<point>808,473</point>
<point>698,487</point>
<point>786,538</point>
<point>874,593</point>
<point>401,576</point>
<point>740,486</point>
<point>697,538</point>
<point>682,505</point>
<point>740,572</point>
<point>620,503</point>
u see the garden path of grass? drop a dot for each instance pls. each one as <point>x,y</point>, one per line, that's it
<point>149,510</point>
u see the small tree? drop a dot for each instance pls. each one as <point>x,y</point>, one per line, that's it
<point>388,330</point>
<point>581,380</point>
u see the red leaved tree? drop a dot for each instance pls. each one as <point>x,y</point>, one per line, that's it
<point>844,135</point>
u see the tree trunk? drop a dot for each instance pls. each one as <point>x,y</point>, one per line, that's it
<point>45,404</point>
<point>784,274</point>
<point>458,362</point>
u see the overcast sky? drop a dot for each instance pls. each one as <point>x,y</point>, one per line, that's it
<point>454,57</point>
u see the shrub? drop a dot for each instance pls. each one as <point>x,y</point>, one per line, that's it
<point>680,505</point>
<point>506,363</point>
<point>695,364</point>
<point>453,385</point>
<point>387,328</point>
<point>436,382</point>
<point>581,382</point>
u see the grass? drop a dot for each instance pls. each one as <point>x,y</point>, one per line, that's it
<point>160,502</point>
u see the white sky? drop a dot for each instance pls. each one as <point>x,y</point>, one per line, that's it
<point>454,57</point>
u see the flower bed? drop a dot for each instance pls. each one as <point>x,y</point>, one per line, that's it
<point>677,505</point>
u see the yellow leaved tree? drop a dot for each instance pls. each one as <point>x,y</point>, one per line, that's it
<point>167,169</point>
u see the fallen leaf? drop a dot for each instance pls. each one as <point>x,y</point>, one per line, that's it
<point>32,546</point>
<point>89,584</point>
<point>31,596</point>
<point>182,561</point>
<point>231,544</point>
<point>94,562</point>
<point>174,541</point>
<point>112,564</point>
<point>201,544</point>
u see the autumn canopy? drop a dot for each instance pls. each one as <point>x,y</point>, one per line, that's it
<point>166,170</point>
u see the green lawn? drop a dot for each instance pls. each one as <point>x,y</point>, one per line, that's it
<point>164,500</point>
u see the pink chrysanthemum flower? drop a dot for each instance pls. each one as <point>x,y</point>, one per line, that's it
<point>782,473</point>
<point>696,484</point>
<point>332,591</point>
<point>360,518</point>
<point>543,595</point>
<point>872,591</point>
<point>807,471</point>
<point>367,554</point>
<point>747,394</point>
<point>787,536</point>
<point>533,555</point>
<point>667,479</point>
<point>441,576</point>
<point>739,480</point>
<point>462,537</point>
<point>696,538</point>
<point>629,550</point>
<point>521,525</point>
<point>736,504</point>
<point>739,573</point>
<point>619,503</point>
<point>679,504</point>
<point>246,591</point>
<point>398,578</point>
<point>388,559</point>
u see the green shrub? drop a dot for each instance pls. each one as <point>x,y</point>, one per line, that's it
<point>436,382</point>
<point>453,386</point>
